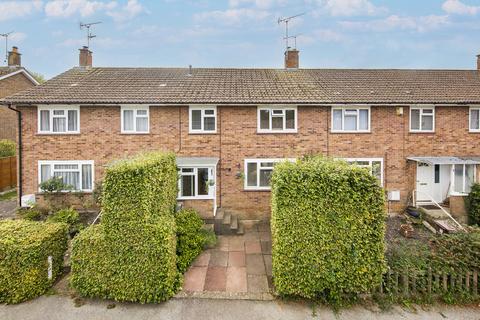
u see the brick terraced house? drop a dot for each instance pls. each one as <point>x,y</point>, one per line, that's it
<point>416,130</point>
<point>13,78</point>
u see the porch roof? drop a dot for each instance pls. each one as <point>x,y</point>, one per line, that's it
<point>446,160</point>
<point>197,161</point>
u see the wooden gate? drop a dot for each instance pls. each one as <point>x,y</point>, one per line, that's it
<point>8,173</point>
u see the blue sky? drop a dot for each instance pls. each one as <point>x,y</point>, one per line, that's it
<point>245,33</point>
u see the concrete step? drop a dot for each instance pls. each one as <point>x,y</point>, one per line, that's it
<point>241,229</point>
<point>227,218</point>
<point>234,223</point>
<point>209,227</point>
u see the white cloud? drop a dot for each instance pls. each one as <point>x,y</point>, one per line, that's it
<point>233,16</point>
<point>327,35</point>
<point>129,11</point>
<point>67,8</point>
<point>458,7</point>
<point>392,22</point>
<point>262,4</point>
<point>17,37</point>
<point>349,8</point>
<point>17,9</point>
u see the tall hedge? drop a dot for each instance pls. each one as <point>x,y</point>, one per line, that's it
<point>25,248</point>
<point>473,205</point>
<point>328,225</point>
<point>131,255</point>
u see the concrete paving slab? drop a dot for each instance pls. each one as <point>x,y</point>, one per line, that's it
<point>236,279</point>
<point>216,279</point>
<point>253,246</point>
<point>202,260</point>
<point>194,279</point>
<point>257,283</point>
<point>236,259</point>
<point>255,264</point>
<point>218,258</point>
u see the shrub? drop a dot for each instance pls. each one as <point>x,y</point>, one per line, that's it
<point>139,268</point>
<point>328,225</point>
<point>25,248</point>
<point>131,255</point>
<point>35,213</point>
<point>68,216</point>
<point>473,205</point>
<point>7,148</point>
<point>191,238</point>
<point>54,184</point>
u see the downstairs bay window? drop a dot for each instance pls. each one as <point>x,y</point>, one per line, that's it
<point>258,173</point>
<point>78,175</point>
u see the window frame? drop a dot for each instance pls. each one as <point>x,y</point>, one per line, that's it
<point>421,108</point>
<point>464,178</point>
<point>258,161</point>
<point>477,108</point>
<point>202,116</point>
<point>80,163</point>
<point>51,109</point>
<point>343,108</point>
<point>270,108</point>
<point>211,190</point>
<point>135,109</point>
<point>370,160</point>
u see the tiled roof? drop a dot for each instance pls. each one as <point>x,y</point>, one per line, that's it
<point>6,70</point>
<point>254,86</point>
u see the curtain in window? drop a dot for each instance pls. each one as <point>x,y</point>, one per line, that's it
<point>475,119</point>
<point>87,176</point>
<point>197,119</point>
<point>469,177</point>
<point>363,119</point>
<point>290,119</point>
<point>142,124</point>
<point>59,124</point>
<point>427,122</point>
<point>415,120</point>
<point>277,123</point>
<point>44,120</point>
<point>71,179</point>
<point>458,179</point>
<point>264,119</point>
<point>128,120</point>
<point>44,172</point>
<point>337,119</point>
<point>350,120</point>
<point>72,120</point>
<point>209,124</point>
<point>252,174</point>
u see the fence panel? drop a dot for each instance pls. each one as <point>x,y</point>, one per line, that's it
<point>8,173</point>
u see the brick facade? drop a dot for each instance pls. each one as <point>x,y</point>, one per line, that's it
<point>237,139</point>
<point>8,118</point>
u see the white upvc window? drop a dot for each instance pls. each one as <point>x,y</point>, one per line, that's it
<point>79,175</point>
<point>350,119</point>
<point>58,119</point>
<point>374,165</point>
<point>135,119</point>
<point>258,173</point>
<point>277,119</point>
<point>422,119</point>
<point>463,178</point>
<point>474,119</point>
<point>203,119</point>
<point>196,183</point>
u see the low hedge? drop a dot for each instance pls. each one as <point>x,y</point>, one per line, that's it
<point>191,237</point>
<point>24,250</point>
<point>7,148</point>
<point>69,216</point>
<point>473,205</point>
<point>328,225</point>
<point>141,268</point>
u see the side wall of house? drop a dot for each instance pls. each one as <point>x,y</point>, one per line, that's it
<point>8,118</point>
<point>237,139</point>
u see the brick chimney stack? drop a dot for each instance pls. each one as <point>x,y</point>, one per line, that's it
<point>291,59</point>
<point>14,58</point>
<point>85,58</point>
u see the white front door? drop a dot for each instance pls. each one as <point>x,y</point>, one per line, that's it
<point>424,181</point>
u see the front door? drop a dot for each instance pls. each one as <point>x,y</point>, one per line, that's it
<point>424,181</point>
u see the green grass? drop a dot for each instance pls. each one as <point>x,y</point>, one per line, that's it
<point>8,195</point>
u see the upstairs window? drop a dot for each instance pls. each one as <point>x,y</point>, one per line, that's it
<point>475,119</point>
<point>422,119</point>
<point>346,119</point>
<point>58,119</point>
<point>135,119</point>
<point>78,175</point>
<point>203,120</point>
<point>277,119</point>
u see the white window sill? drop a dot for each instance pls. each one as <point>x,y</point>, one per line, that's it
<point>202,132</point>
<point>276,131</point>
<point>257,189</point>
<point>458,194</point>
<point>422,131</point>
<point>45,133</point>
<point>132,132</point>
<point>196,198</point>
<point>350,131</point>
<point>65,192</point>
<point>474,130</point>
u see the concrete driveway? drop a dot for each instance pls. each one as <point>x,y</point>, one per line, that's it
<point>62,307</point>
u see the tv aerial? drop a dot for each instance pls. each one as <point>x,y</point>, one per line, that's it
<point>5,35</point>
<point>286,21</point>
<point>294,40</point>
<point>89,34</point>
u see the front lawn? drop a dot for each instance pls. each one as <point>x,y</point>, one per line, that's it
<point>9,195</point>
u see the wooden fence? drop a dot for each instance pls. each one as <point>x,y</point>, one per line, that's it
<point>430,283</point>
<point>8,173</point>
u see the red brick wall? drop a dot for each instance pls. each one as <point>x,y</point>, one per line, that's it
<point>8,118</point>
<point>101,140</point>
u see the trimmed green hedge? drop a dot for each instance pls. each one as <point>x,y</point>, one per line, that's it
<point>141,268</point>
<point>69,216</point>
<point>328,225</point>
<point>191,238</point>
<point>131,256</point>
<point>473,205</point>
<point>7,148</point>
<point>24,250</point>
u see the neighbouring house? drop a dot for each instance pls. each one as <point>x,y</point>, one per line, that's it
<point>13,78</point>
<point>416,130</point>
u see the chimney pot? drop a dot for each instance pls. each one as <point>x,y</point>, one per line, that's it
<point>291,59</point>
<point>85,57</point>
<point>14,58</point>
<point>478,62</point>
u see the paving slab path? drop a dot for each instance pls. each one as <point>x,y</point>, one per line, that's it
<point>7,209</point>
<point>59,307</point>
